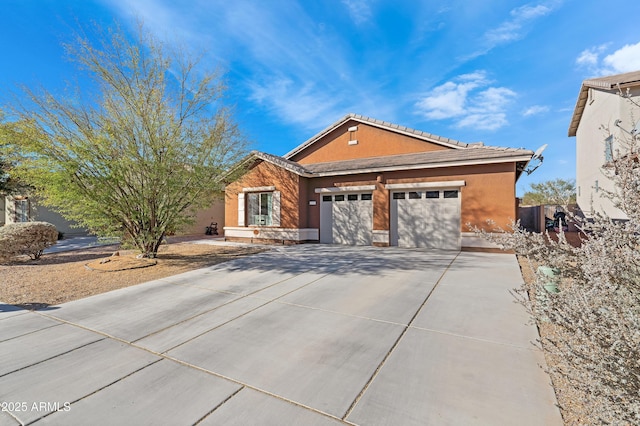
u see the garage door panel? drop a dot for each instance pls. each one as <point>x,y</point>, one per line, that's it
<point>411,223</point>
<point>347,220</point>
<point>426,222</point>
<point>450,225</point>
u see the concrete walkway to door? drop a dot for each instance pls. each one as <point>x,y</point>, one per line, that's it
<point>307,335</point>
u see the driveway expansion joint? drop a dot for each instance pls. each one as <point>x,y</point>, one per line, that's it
<point>248,386</point>
<point>397,342</point>
<point>218,406</point>
<point>51,357</point>
<point>30,332</point>
<point>186,364</point>
<point>533,345</point>
<point>101,388</point>
<point>249,295</point>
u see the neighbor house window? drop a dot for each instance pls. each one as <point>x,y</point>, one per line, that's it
<point>608,149</point>
<point>260,207</point>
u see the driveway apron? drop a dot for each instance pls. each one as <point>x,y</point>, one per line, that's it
<point>311,334</point>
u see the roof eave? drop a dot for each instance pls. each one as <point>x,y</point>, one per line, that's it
<point>600,84</point>
<point>423,166</point>
<point>578,110</point>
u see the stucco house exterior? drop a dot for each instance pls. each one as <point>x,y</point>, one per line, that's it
<point>18,208</point>
<point>363,181</point>
<point>24,209</point>
<point>602,118</point>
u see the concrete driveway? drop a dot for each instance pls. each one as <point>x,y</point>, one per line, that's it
<point>307,335</point>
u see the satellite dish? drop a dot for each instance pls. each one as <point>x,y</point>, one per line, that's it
<point>539,151</point>
<point>537,156</point>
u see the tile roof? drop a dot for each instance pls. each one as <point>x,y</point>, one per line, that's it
<point>611,82</point>
<point>279,161</point>
<point>430,137</point>
<point>475,154</point>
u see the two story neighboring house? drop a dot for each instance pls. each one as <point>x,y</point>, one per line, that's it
<point>363,181</point>
<point>602,120</point>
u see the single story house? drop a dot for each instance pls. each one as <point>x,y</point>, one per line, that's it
<point>363,181</point>
<point>18,208</point>
<point>21,208</point>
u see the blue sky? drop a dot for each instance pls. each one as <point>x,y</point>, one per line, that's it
<point>503,72</point>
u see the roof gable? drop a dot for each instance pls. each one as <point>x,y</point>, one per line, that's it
<point>356,137</point>
<point>475,154</point>
<point>608,83</point>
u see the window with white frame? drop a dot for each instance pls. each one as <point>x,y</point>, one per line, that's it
<point>260,208</point>
<point>22,211</point>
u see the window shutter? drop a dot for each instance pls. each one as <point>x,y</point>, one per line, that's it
<point>276,208</point>
<point>241,209</point>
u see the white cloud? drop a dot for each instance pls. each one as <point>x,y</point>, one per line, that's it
<point>494,99</point>
<point>484,121</point>
<point>469,101</point>
<point>446,101</point>
<point>597,62</point>
<point>302,104</point>
<point>589,57</point>
<point>273,51</point>
<point>625,59</point>
<point>514,28</point>
<point>526,13</point>
<point>359,10</point>
<point>535,110</point>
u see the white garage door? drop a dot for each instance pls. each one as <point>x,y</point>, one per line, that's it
<point>346,219</point>
<point>427,218</point>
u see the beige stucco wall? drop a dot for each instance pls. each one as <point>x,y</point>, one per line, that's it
<point>204,217</point>
<point>62,225</point>
<point>602,110</point>
<point>39,213</point>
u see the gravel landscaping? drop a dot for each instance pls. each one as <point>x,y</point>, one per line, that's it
<point>62,277</point>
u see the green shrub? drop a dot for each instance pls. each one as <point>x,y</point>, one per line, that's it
<point>27,238</point>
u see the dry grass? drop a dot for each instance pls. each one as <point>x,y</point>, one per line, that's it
<point>62,277</point>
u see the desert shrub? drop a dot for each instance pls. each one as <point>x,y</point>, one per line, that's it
<point>595,317</point>
<point>27,238</point>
